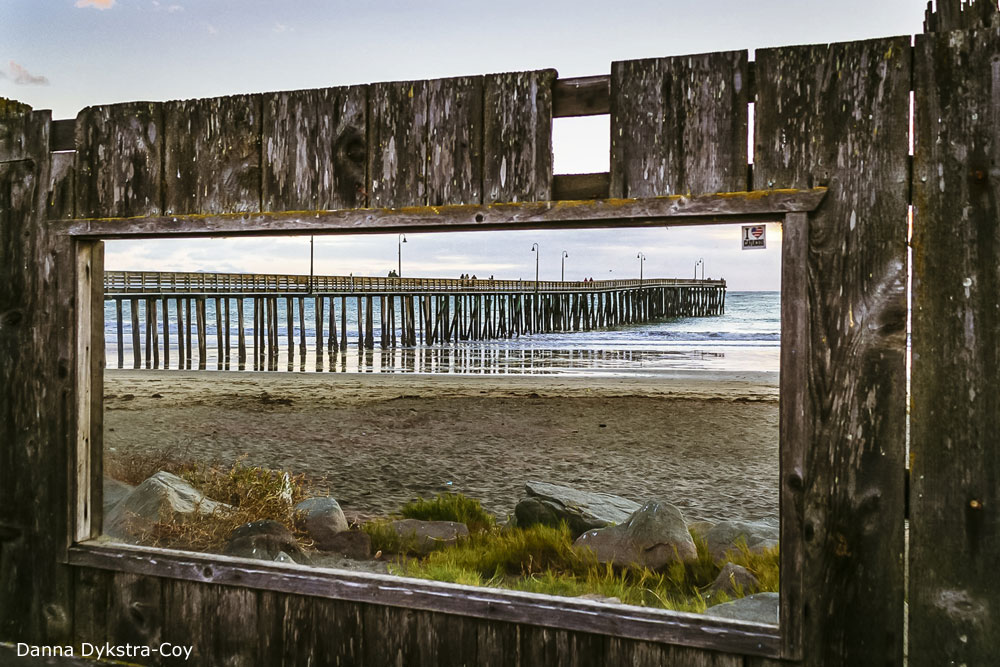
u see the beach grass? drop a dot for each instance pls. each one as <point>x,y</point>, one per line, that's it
<point>451,507</point>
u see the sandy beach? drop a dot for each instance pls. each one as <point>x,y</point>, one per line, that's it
<point>706,442</point>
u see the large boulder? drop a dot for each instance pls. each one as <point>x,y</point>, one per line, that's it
<point>757,608</point>
<point>654,536</point>
<point>725,537</point>
<point>162,497</point>
<point>551,504</point>
<point>114,491</point>
<point>422,537</point>
<point>734,580</point>
<point>264,540</point>
<point>322,519</point>
<point>353,544</point>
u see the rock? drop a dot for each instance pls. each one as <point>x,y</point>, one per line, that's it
<point>733,580</point>
<point>322,519</point>
<point>551,504</point>
<point>758,608</point>
<point>354,544</point>
<point>114,491</point>
<point>162,497</point>
<point>264,540</point>
<point>700,528</point>
<point>282,557</point>
<point>654,536</point>
<point>726,536</point>
<point>426,536</point>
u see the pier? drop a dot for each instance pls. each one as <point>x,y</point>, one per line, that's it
<point>390,312</point>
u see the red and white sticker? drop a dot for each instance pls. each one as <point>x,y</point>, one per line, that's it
<point>754,237</point>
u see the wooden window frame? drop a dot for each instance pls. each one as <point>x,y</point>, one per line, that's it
<point>790,207</point>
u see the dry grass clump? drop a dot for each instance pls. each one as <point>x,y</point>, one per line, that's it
<point>135,467</point>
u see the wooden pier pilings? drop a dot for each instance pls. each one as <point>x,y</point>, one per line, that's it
<point>431,312</point>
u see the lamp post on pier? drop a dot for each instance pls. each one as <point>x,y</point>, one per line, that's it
<point>534,249</point>
<point>700,261</point>
<point>642,260</point>
<point>400,240</point>
<point>564,256</point>
<point>311,256</point>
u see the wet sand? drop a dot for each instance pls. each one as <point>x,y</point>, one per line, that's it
<point>706,442</point>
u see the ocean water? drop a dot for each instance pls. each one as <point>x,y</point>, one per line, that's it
<point>747,337</point>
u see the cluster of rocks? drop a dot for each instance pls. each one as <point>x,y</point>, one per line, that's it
<point>617,530</point>
<point>655,535</point>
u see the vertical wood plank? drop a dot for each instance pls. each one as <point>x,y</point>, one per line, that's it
<point>517,141</point>
<point>837,115</point>
<point>37,390</point>
<point>954,592</point>
<point>314,145</point>
<point>135,612</point>
<point>62,187</point>
<point>455,141</point>
<point>119,159</point>
<point>679,125</point>
<point>397,144</point>
<point>212,156</point>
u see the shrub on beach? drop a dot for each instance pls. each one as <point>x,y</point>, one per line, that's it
<point>451,507</point>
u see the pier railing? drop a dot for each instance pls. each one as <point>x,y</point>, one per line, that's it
<point>117,283</point>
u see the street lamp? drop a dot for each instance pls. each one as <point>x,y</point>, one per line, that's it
<point>700,261</point>
<point>311,255</point>
<point>534,249</point>
<point>400,240</point>
<point>564,256</point>
<point>642,260</point>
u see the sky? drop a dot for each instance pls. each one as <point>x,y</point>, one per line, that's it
<point>65,55</point>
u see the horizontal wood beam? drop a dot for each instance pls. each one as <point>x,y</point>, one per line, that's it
<point>581,96</point>
<point>495,605</point>
<point>581,186</point>
<point>62,135</point>
<point>677,210</point>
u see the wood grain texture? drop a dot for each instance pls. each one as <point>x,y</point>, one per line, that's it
<point>397,144</point>
<point>37,420</point>
<point>119,159</point>
<point>455,141</point>
<point>959,15</point>
<point>16,130</point>
<point>212,158</point>
<point>679,125</point>
<point>767,206</point>
<point>314,149</point>
<point>581,96</point>
<point>954,592</point>
<point>135,613</point>
<point>517,142</point>
<point>61,201</point>
<point>838,114</point>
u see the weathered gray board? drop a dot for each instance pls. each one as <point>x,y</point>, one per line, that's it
<point>945,15</point>
<point>314,149</point>
<point>954,585</point>
<point>837,115</point>
<point>679,125</point>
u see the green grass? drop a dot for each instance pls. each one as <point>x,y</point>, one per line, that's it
<point>541,559</point>
<point>451,507</point>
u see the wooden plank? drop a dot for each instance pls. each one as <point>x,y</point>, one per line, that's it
<point>91,602</point>
<point>769,206</point>
<point>581,96</point>
<point>62,187</point>
<point>135,613</point>
<point>517,141</point>
<point>679,125</point>
<point>340,640</point>
<point>63,135</point>
<point>813,102</point>
<point>191,618</point>
<point>954,593</point>
<point>314,144</point>
<point>454,141</point>
<point>581,186</point>
<point>493,604</point>
<point>397,144</point>
<point>212,156</point>
<point>119,160</point>
<point>37,391</point>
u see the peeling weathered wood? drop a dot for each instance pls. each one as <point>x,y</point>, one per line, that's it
<point>212,159</point>
<point>959,15</point>
<point>767,206</point>
<point>135,612</point>
<point>397,143</point>
<point>455,141</point>
<point>119,159</point>
<point>62,187</point>
<point>838,114</point>
<point>679,125</point>
<point>954,591</point>
<point>518,136</point>
<point>314,149</point>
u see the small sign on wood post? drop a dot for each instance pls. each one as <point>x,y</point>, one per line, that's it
<point>754,237</point>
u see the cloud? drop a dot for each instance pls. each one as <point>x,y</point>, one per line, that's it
<point>96,4</point>
<point>212,30</point>
<point>170,9</point>
<point>22,76</point>
<point>281,27</point>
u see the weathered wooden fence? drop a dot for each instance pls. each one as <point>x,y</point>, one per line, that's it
<point>828,115</point>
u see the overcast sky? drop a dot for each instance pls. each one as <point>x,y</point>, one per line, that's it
<point>67,54</point>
